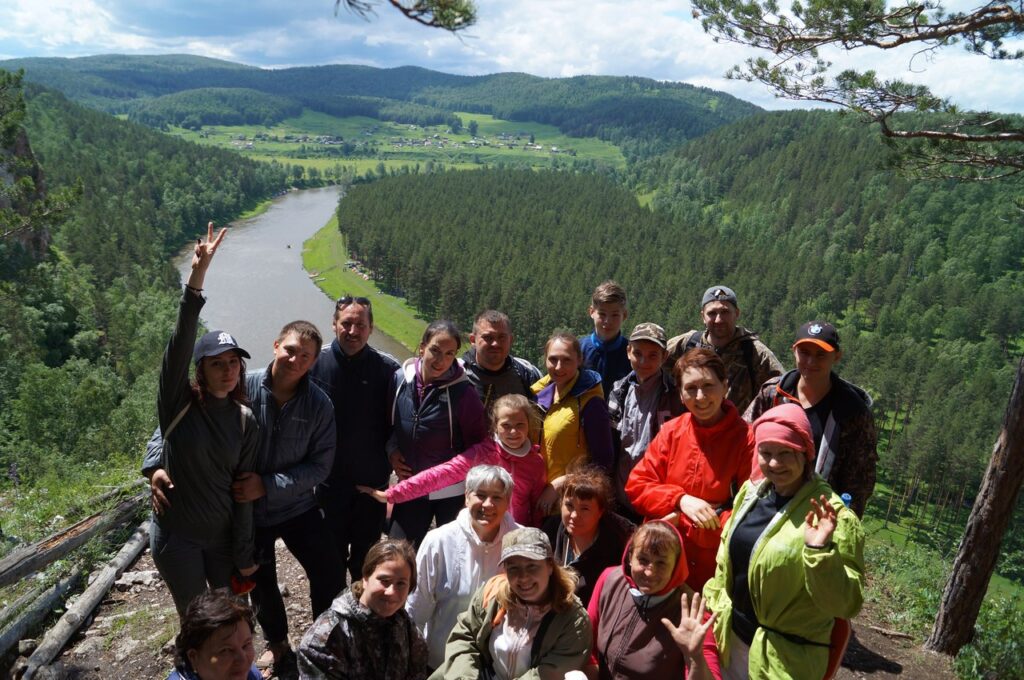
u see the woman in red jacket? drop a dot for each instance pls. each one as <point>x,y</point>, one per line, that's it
<point>695,465</point>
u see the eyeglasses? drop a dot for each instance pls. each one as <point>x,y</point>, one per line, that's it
<point>346,300</point>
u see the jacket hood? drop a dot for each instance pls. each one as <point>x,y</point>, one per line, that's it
<point>348,606</point>
<point>452,376</point>
<point>679,574</point>
<point>586,379</point>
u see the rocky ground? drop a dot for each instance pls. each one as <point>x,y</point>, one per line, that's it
<point>131,634</point>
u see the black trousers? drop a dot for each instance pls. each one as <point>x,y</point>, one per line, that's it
<point>355,520</point>
<point>411,520</point>
<point>309,540</point>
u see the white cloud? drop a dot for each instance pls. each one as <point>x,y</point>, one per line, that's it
<point>552,38</point>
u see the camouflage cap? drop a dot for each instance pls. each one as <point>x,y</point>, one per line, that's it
<point>526,542</point>
<point>651,332</point>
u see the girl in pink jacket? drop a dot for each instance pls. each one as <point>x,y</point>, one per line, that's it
<point>513,419</point>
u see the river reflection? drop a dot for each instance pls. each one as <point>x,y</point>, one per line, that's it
<point>257,284</point>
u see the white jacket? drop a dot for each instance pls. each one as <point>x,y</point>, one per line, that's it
<point>451,564</point>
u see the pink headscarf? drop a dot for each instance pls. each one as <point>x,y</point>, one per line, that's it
<point>787,425</point>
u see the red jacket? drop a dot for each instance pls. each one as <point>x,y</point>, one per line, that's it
<point>688,459</point>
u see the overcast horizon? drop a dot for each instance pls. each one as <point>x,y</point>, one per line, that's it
<point>657,39</point>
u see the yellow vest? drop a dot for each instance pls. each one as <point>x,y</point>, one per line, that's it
<point>563,440</point>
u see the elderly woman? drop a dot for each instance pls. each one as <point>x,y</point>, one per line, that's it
<point>695,465</point>
<point>791,560</point>
<point>457,558</point>
<point>367,633</point>
<point>215,641</point>
<point>436,413</point>
<point>525,623</point>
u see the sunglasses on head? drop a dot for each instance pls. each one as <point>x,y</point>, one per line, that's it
<point>347,300</point>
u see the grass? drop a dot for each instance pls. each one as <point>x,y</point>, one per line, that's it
<point>378,142</point>
<point>326,253</point>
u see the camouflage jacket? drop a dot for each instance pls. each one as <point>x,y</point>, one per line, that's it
<point>850,452</point>
<point>745,377</point>
<point>350,641</point>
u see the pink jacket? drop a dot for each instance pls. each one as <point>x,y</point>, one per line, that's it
<point>529,475</point>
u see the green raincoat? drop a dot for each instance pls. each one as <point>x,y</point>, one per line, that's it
<point>794,589</point>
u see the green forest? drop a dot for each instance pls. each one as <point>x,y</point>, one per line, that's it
<point>86,301</point>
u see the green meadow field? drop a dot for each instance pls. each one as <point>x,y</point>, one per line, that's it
<point>398,144</point>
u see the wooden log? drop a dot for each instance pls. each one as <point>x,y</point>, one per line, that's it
<point>10,612</point>
<point>890,633</point>
<point>76,615</point>
<point>40,608</point>
<point>25,561</point>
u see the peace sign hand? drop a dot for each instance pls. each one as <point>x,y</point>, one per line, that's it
<point>819,524</point>
<point>203,255</point>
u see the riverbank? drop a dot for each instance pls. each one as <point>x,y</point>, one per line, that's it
<point>326,253</point>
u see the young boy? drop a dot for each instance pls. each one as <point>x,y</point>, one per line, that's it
<point>604,350</point>
<point>639,404</point>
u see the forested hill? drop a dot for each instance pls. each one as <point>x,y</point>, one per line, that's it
<point>796,213</point>
<point>641,115</point>
<point>84,323</point>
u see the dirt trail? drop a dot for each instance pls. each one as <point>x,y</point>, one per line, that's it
<point>128,638</point>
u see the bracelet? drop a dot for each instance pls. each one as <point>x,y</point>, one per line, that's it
<point>194,290</point>
<point>818,547</point>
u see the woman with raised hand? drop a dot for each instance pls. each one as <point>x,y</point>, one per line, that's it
<point>695,465</point>
<point>525,623</point>
<point>366,632</point>
<point>200,535</point>
<point>576,425</point>
<point>634,610</point>
<point>791,561</point>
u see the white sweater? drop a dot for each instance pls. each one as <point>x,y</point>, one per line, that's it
<point>451,564</point>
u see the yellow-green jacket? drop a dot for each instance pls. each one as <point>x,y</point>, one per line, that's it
<point>794,589</point>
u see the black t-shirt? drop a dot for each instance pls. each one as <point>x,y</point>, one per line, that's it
<point>741,546</point>
<point>818,415</point>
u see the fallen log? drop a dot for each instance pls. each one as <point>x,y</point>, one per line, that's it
<point>75,616</point>
<point>11,611</point>
<point>38,610</point>
<point>27,560</point>
<point>890,633</point>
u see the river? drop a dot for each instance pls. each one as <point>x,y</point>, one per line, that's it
<point>256,283</point>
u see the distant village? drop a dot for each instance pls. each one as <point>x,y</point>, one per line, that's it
<point>504,140</point>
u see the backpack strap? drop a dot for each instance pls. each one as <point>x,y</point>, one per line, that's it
<point>177,419</point>
<point>538,639</point>
<point>747,345</point>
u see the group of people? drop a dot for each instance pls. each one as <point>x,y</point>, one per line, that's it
<point>647,504</point>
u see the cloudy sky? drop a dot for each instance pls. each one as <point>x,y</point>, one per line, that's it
<point>653,38</point>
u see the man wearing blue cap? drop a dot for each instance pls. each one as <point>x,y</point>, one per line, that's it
<point>748,361</point>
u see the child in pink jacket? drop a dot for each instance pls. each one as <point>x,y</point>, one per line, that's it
<point>513,418</point>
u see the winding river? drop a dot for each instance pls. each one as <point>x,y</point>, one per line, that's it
<point>257,283</point>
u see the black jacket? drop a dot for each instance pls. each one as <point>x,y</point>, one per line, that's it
<point>359,386</point>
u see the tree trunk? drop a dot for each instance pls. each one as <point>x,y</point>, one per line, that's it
<point>979,549</point>
<point>25,561</point>
<point>41,607</point>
